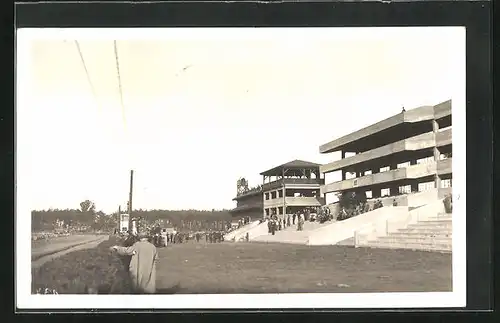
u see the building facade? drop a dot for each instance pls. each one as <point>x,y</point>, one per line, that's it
<point>249,202</point>
<point>291,187</point>
<point>408,152</point>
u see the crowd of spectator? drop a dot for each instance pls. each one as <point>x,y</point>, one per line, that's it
<point>243,221</point>
<point>277,223</point>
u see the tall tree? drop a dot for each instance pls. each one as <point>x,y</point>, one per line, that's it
<point>87,206</point>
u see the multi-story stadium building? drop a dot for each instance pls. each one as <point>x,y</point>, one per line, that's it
<point>408,152</point>
<point>249,202</point>
<point>291,187</point>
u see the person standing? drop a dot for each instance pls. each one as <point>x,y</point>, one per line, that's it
<point>300,224</point>
<point>273,226</point>
<point>142,268</point>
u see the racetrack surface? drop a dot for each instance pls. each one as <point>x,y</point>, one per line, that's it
<point>44,247</point>
<point>61,246</point>
<point>201,268</point>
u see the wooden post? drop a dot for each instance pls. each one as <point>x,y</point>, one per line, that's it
<point>119,218</point>
<point>130,197</point>
<point>284,193</point>
<point>263,197</point>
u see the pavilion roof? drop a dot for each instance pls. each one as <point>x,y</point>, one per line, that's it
<point>294,164</point>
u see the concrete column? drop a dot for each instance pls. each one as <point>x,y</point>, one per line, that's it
<point>393,190</point>
<point>376,193</point>
<point>342,153</point>
<point>437,154</point>
<point>414,186</point>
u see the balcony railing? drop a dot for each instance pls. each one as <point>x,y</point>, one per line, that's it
<point>279,183</point>
<point>251,191</point>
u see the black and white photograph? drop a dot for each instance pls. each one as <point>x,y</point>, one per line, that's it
<point>241,167</point>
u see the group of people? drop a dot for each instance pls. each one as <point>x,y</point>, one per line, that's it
<point>214,236</point>
<point>184,237</point>
<point>243,221</point>
<point>276,223</point>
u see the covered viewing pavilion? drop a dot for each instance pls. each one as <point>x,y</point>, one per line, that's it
<point>291,187</point>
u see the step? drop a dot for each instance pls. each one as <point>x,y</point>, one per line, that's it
<point>421,234</point>
<point>415,239</point>
<point>435,220</point>
<point>412,246</point>
<point>430,226</point>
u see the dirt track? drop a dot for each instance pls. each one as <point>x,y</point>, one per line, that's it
<point>51,251</point>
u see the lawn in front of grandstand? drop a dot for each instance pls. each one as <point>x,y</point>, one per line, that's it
<point>282,268</point>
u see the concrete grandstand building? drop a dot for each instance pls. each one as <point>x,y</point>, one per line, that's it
<point>407,153</point>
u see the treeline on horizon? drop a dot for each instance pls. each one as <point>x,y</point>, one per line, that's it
<point>44,219</point>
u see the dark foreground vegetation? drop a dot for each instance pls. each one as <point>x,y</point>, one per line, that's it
<point>94,270</point>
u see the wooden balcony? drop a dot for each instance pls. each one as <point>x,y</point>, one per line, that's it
<point>306,182</point>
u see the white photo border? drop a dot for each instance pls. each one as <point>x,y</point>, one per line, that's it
<point>24,298</point>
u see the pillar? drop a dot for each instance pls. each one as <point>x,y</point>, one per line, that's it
<point>376,192</point>
<point>437,154</point>
<point>284,200</point>
<point>343,171</point>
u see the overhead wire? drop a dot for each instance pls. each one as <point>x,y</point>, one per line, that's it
<point>89,80</point>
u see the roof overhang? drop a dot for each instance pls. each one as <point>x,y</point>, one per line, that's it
<point>389,127</point>
<point>245,208</point>
<point>247,194</point>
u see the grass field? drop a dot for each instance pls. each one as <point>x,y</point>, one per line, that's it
<point>280,268</point>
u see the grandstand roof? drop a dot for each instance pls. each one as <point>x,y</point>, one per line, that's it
<point>294,164</point>
<point>400,126</point>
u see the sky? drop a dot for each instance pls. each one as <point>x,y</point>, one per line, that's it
<point>204,107</point>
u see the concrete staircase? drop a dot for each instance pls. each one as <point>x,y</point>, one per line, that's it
<point>431,234</point>
<point>238,233</point>
<point>291,235</point>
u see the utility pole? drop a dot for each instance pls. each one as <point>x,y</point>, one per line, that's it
<point>119,218</point>
<point>130,198</point>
